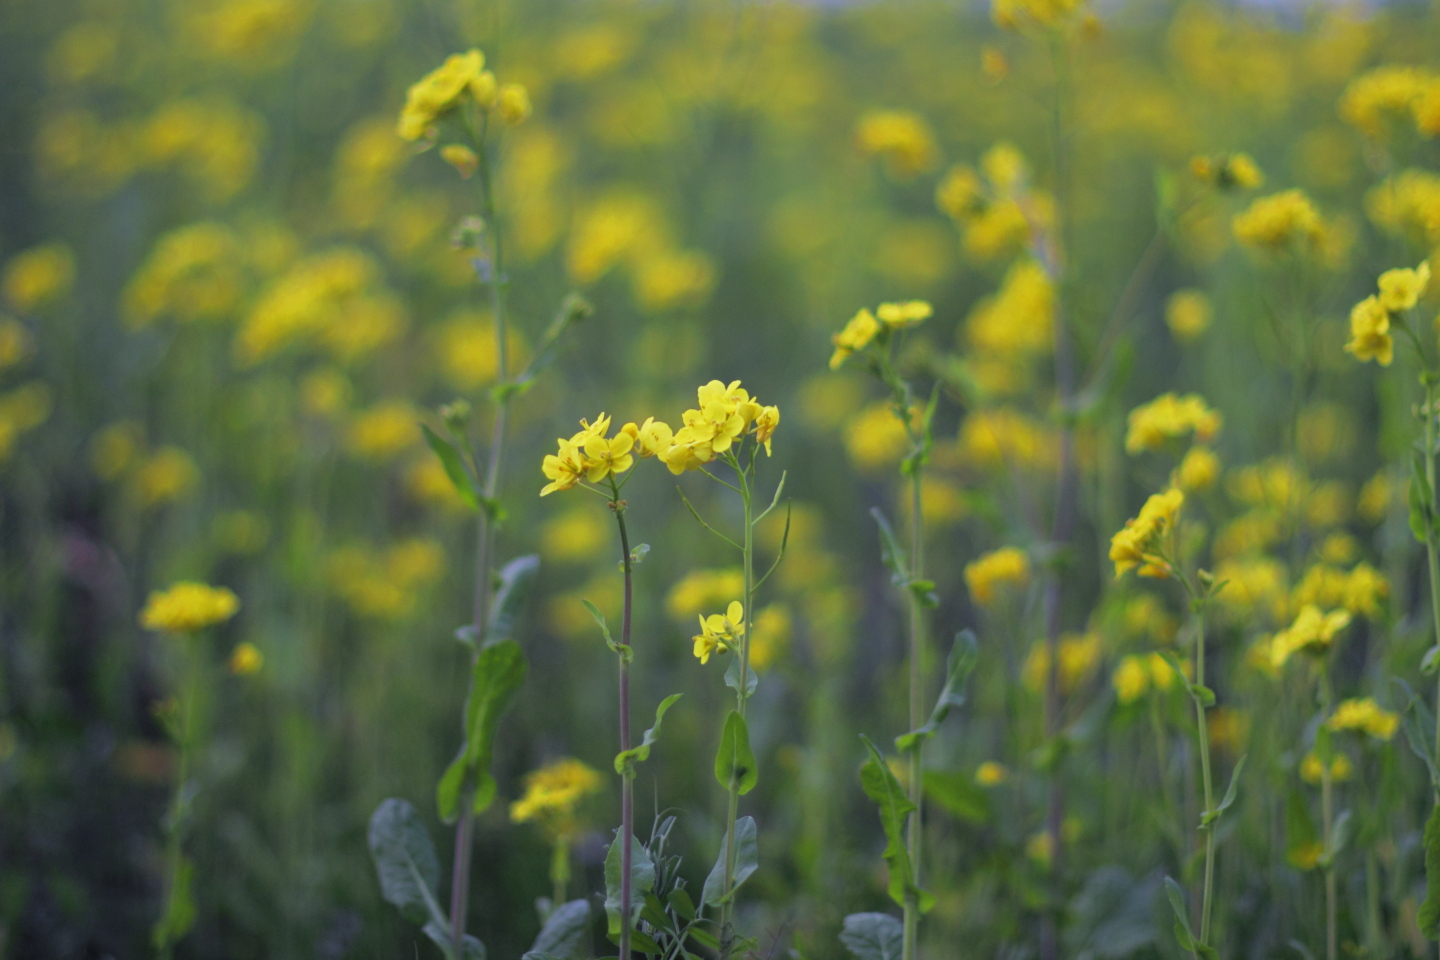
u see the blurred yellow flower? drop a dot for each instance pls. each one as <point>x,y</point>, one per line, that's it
<point>701,589</point>
<point>1402,288</point>
<point>856,336</point>
<point>1313,631</point>
<point>1277,222</point>
<point>22,410</point>
<point>1079,656</point>
<point>16,344</point>
<point>991,774</point>
<point>1313,771</point>
<point>576,535</point>
<point>1188,314</point>
<point>188,606</point>
<point>1198,471</point>
<point>246,660</point>
<point>1169,417</point>
<point>552,794</point>
<point>875,439</point>
<point>1370,337</point>
<point>513,105</point>
<point>383,430</point>
<point>38,276</point>
<point>1385,91</point>
<point>1004,569</point>
<point>167,475</point>
<point>1365,715</point>
<point>114,449</point>
<point>901,138</point>
<point>1140,543</point>
<point>769,635</point>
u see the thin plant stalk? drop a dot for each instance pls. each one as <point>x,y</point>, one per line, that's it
<point>743,477</point>
<point>174,842</point>
<point>1430,551</point>
<point>914,824</point>
<point>1202,733</point>
<point>484,549</point>
<point>627,783</point>
<point>1327,819</point>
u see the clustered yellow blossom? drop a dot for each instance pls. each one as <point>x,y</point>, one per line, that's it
<point>1312,769</point>
<point>384,585</point>
<point>1365,715</point>
<point>1079,656</point>
<point>1235,171</point>
<point>1188,314</point>
<point>901,138</point>
<point>1169,417</point>
<point>701,589</point>
<point>1198,471</point>
<point>1361,591</point>
<point>996,209</point>
<point>1003,438</point>
<point>1407,204</point>
<point>553,792</point>
<point>1141,542</point>
<point>1136,675</point>
<point>769,635</point>
<point>864,326</point>
<point>188,606</point>
<point>37,276</point>
<point>246,660</point>
<point>1279,221</point>
<point>1018,322</point>
<point>1008,567</point>
<point>1370,336</point>
<point>462,77</point>
<point>1390,91</point>
<point>1012,14</point>
<point>720,633</point>
<point>1313,631</point>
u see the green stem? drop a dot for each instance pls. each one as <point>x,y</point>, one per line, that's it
<point>1430,549</point>
<point>733,806</point>
<point>627,783</point>
<point>178,818</point>
<point>1327,818</point>
<point>914,824</point>
<point>1203,734</point>
<point>559,871</point>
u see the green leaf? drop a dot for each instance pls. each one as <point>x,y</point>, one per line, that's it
<point>734,761</point>
<point>924,591</point>
<point>599,618</point>
<point>1422,517</point>
<point>1300,837</point>
<point>964,655</point>
<point>1339,839</point>
<point>681,903</point>
<point>454,466</point>
<point>563,931</point>
<point>890,552</point>
<point>1430,661</point>
<point>747,859</point>
<point>732,678</point>
<point>498,675</point>
<point>472,948</point>
<point>1210,816</point>
<point>1429,917</point>
<point>873,936</point>
<point>1183,934</point>
<point>642,881</point>
<point>516,579</point>
<point>705,938</point>
<point>881,786</point>
<point>958,794</point>
<point>405,862</point>
<point>642,941</point>
<point>1419,727</point>
<point>179,915</point>
<point>625,760</point>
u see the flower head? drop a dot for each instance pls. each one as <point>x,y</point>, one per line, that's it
<point>1370,337</point>
<point>246,660</point>
<point>724,415</point>
<point>855,337</point>
<point>1313,631</point>
<point>906,314</point>
<point>1365,715</point>
<point>1141,541</point>
<point>552,794</point>
<point>438,92</point>
<point>564,467</point>
<point>1168,417</point>
<point>1401,289</point>
<point>188,606</point>
<point>1008,567</point>
<point>719,633</point>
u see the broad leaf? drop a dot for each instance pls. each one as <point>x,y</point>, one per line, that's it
<point>625,760</point>
<point>516,579</point>
<point>964,655</point>
<point>732,678</point>
<point>563,931</point>
<point>1183,934</point>
<point>472,948</point>
<point>958,794</point>
<point>405,862</point>
<point>454,467</point>
<point>1429,917</point>
<point>873,936</point>
<point>747,859</point>
<point>498,675</point>
<point>734,761</point>
<point>881,786</point>
<point>642,880</point>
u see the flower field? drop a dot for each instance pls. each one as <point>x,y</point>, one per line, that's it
<point>573,479</point>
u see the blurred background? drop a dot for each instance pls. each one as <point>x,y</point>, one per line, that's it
<point>230,297</point>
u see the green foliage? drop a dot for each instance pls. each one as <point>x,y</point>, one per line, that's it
<point>563,935</point>
<point>964,655</point>
<point>881,786</point>
<point>179,915</point>
<point>498,674</point>
<point>1184,935</point>
<point>626,760</point>
<point>1429,917</point>
<point>872,936</point>
<point>747,860</point>
<point>734,761</point>
<point>642,881</point>
<point>454,465</point>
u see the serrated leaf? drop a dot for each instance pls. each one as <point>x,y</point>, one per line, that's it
<point>642,881</point>
<point>1429,917</point>
<point>959,664</point>
<point>890,553</point>
<point>625,760</point>
<point>454,466</point>
<point>881,786</point>
<point>1211,816</point>
<point>498,674</point>
<point>405,862</point>
<point>747,859</point>
<point>563,932</point>
<point>732,678</point>
<point>734,761</point>
<point>873,936</point>
<point>516,579</point>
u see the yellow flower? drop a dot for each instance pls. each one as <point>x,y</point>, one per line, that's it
<point>700,589</point>
<point>1140,542</point>
<point>1008,14</point>
<point>991,774</point>
<point>1374,500</point>
<point>513,106</point>
<point>1389,89</point>
<point>188,606</point>
<point>1079,656</point>
<point>1198,471</point>
<point>654,438</point>
<point>901,138</point>
<point>553,792</point>
<point>1401,289</point>
<point>1313,771</point>
<point>1275,222</point>
<point>719,633</point>
<point>38,276</point>
<point>906,314</point>
<point>724,414</point>
<point>1188,314</point>
<point>382,431</point>
<point>169,474</point>
<point>770,634</point>
<point>855,337</point>
<point>1131,680</point>
<point>16,343</point>
<point>765,424</point>
<point>1313,630</point>
<point>609,457</point>
<point>1370,337</point>
<point>246,660</point>
<point>1019,320</point>
<point>438,92</point>
<point>1008,567</point>
<point>564,468</point>
<point>1168,417</point>
<point>1237,171</point>
<point>1365,715</point>
<point>462,158</point>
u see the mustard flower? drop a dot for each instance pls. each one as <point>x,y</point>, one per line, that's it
<point>1140,542</point>
<point>564,468</point>
<point>1188,314</point>
<point>991,774</point>
<point>1370,337</point>
<point>1008,567</point>
<point>188,606</point>
<point>1313,771</point>
<point>462,158</point>
<point>719,633</point>
<point>1276,222</point>
<point>246,660</point>
<point>1168,417</point>
<point>552,794</point>
<point>1313,631</point>
<point>438,92</point>
<point>1365,715</point>
<point>906,314</point>
<point>513,105</point>
<point>1402,288</point>
<point>725,413</point>
<point>901,138</point>
<point>609,457</point>
<point>765,423</point>
<point>654,438</point>
<point>855,337</point>
<point>1198,471</point>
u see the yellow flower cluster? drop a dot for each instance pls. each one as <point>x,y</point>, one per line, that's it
<point>1012,14</point>
<point>1141,542</point>
<point>384,585</point>
<point>1365,715</point>
<point>995,208</point>
<point>461,78</point>
<point>1407,204</point>
<point>1362,591</point>
<point>1400,290</point>
<point>188,606</point>
<point>22,410</point>
<point>1391,92</point>
<point>719,633</point>
<point>769,635</point>
<point>1003,438</point>
<point>1188,314</point>
<point>1234,171</point>
<point>553,792</point>
<point>1312,770</point>
<point>1079,656</point>
<point>1169,417</point>
<point>1198,471</point>
<point>1018,321</point>
<point>193,274</point>
<point>700,589</point>
<point>1253,583</point>
<point>1278,222</point>
<point>1137,675</point>
<point>901,138</point>
<point>37,276</point>
<point>1313,631</point>
<point>864,326</point>
<point>986,577</point>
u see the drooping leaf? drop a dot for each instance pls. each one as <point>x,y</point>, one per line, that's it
<point>179,914</point>
<point>747,859</point>
<point>405,862</point>
<point>890,552</point>
<point>734,761</point>
<point>1422,516</point>
<point>564,931</point>
<point>516,579</point>
<point>1184,935</point>
<point>964,655</point>
<point>1429,918</point>
<point>732,678</point>
<point>958,794</point>
<point>599,618</point>
<point>498,674</point>
<point>881,786</point>
<point>1210,816</point>
<point>642,881</point>
<point>625,760</point>
<point>873,936</point>
<point>454,466</point>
